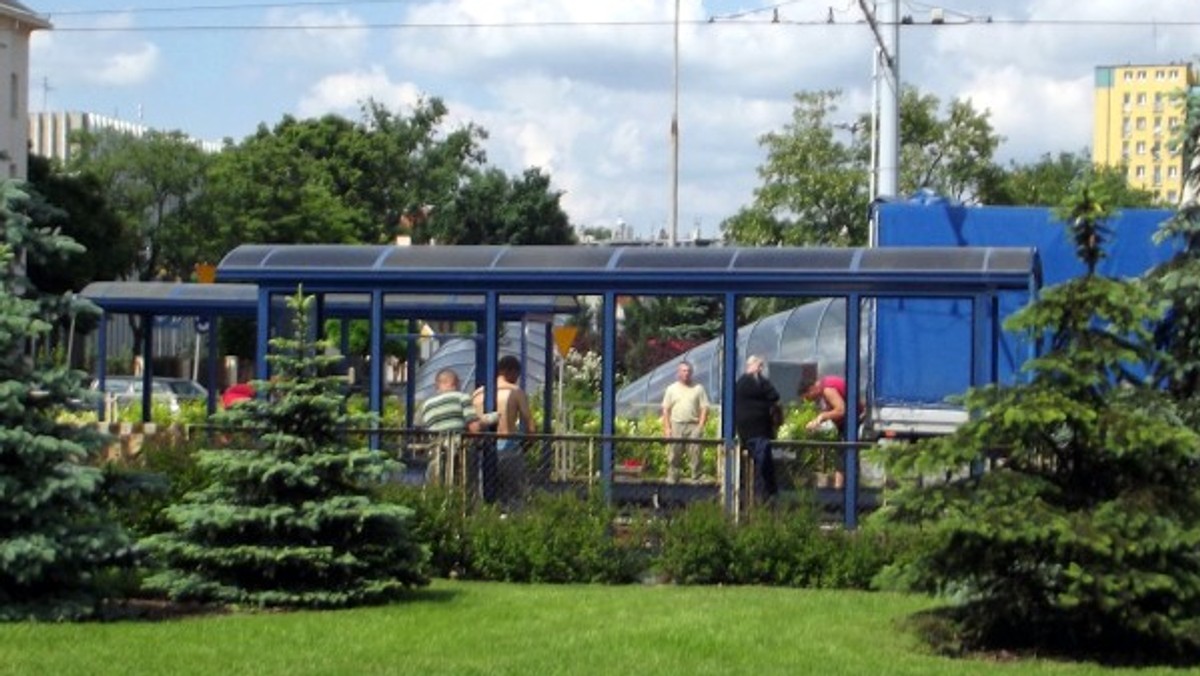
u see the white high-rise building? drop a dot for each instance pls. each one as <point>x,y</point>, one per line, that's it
<point>17,22</point>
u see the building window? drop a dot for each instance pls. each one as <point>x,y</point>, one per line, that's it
<point>1139,171</point>
<point>14,92</point>
<point>1172,122</point>
<point>1174,73</point>
<point>1141,147</point>
<point>1141,124</point>
<point>1125,126</point>
<point>1158,75</point>
<point>1129,75</point>
<point>1172,172</point>
<point>1141,99</point>
<point>1171,194</point>
<point>1141,75</point>
<point>1157,175</point>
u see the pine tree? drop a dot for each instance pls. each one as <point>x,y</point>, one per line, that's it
<point>1085,535</point>
<point>1178,282</point>
<point>55,537</point>
<point>288,520</point>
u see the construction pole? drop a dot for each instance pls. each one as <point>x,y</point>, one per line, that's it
<point>674,230</point>
<point>889,108</point>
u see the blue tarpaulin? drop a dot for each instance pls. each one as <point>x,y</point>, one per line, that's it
<point>922,352</point>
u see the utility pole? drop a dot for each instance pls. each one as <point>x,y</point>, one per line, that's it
<point>46,89</point>
<point>674,229</point>
<point>887,39</point>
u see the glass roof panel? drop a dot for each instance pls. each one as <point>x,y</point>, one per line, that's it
<point>673,259</point>
<point>794,259</point>
<point>441,257</point>
<point>556,257</point>
<point>325,256</point>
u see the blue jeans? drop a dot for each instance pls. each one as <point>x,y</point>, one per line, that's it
<point>765,487</point>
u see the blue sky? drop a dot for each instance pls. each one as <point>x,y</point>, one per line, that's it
<point>583,88</point>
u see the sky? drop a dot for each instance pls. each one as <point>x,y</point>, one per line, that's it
<point>584,89</point>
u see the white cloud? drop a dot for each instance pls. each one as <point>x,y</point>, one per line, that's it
<point>331,39</point>
<point>591,104</point>
<point>127,68</point>
<point>1036,114</point>
<point>343,93</point>
<point>106,59</point>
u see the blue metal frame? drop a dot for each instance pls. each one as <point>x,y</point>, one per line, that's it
<point>853,368</point>
<point>853,282</point>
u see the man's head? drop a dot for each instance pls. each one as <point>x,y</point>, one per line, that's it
<point>755,365</point>
<point>509,368</point>
<point>447,380</point>
<point>684,373</point>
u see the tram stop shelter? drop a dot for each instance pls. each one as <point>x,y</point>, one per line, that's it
<point>209,303</point>
<point>495,273</point>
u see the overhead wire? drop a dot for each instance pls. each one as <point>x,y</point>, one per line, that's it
<point>1100,23</point>
<point>753,16</point>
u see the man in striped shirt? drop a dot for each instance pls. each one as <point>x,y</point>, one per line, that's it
<point>449,410</point>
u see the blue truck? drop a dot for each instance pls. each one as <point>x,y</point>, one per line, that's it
<point>920,356</point>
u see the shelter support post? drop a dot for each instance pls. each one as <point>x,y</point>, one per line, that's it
<point>410,366</point>
<point>102,367</point>
<point>608,393</point>
<point>548,381</point>
<point>853,397</point>
<point>376,364</point>
<point>147,366</point>
<point>729,360</point>
<point>211,359</point>
<point>261,370</point>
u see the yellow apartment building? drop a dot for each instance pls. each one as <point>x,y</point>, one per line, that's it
<point>1136,118</point>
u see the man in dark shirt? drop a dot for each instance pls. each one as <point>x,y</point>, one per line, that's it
<point>755,407</point>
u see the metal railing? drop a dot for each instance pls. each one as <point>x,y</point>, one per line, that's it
<point>649,472</point>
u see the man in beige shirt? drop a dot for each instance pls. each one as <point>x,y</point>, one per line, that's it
<point>684,412</point>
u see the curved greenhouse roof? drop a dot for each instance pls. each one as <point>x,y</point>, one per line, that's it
<point>811,333</point>
<point>458,354</point>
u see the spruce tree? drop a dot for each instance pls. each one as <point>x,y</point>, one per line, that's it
<point>55,534</point>
<point>1084,536</point>
<point>288,519</point>
<point>1178,282</point>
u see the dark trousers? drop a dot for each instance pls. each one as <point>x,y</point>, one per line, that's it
<point>765,487</point>
<point>488,469</point>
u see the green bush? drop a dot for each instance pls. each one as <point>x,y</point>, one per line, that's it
<point>557,539</point>
<point>165,470</point>
<point>698,546</point>
<point>783,548</point>
<point>438,522</point>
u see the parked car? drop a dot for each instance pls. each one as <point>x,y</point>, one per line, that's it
<point>126,390</point>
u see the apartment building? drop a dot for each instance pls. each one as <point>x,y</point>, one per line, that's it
<point>17,23</point>
<point>1137,115</point>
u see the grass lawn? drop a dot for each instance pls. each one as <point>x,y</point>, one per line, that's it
<point>483,628</point>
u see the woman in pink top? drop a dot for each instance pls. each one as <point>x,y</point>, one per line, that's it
<point>830,394</point>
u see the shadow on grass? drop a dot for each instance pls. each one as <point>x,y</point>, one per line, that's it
<point>164,610</point>
<point>943,631</point>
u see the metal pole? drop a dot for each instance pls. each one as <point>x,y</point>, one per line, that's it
<point>853,351</point>
<point>889,110</point>
<point>675,137</point>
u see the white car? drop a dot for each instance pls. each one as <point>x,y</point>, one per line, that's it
<point>128,390</point>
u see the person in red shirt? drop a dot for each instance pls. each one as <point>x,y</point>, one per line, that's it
<point>235,393</point>
<point>829,393</point>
